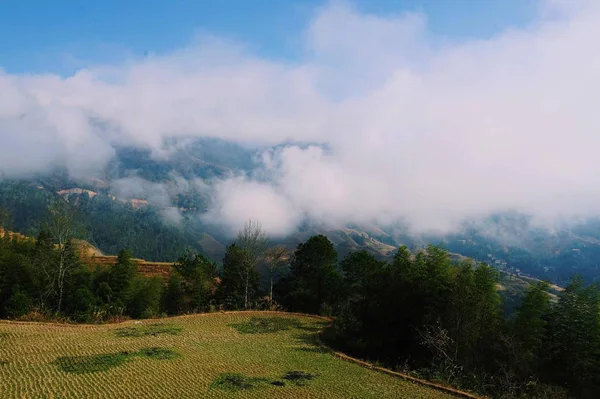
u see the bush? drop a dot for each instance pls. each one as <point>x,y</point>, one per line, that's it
<point>147,330</point>
<point>145,297</point>
<point>19,304</point>
<point>265,325</point>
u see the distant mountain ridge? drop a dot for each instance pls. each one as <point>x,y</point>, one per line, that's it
<point>159,224</point>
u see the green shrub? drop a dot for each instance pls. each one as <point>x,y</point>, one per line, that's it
<point>19,304</point>
<point>265,325</point>
<point>148,330</point>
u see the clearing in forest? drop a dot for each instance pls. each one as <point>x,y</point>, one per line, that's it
<point>245,355</point>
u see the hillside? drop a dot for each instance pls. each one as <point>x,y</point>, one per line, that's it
<point>211,355</point>
<point>512,242</point>
<point>111,223</point>
<point>512,286</point>
<point>154,206</point>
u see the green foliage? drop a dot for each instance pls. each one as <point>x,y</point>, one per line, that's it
<point>571,348</point>
<point>145,297</point>
<point>17,278</point>
<point>39,275</point>
<point>231,291</point>
<point>24,205</point>
<point>314,279</point>
<point>174,295</point>
<point>121,278</point>
<point>446,320</point>
<point>266,325</point>
<point>360,269</point>
<point>192,288</point>
<point>113,225</point>
<point>19,304</point>
<point>530,327</point>
<point>148,330</point>
<point>83,302</point>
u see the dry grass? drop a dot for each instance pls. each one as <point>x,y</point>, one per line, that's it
<point>207,357</point>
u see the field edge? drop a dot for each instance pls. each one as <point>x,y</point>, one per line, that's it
<point>318,340</point>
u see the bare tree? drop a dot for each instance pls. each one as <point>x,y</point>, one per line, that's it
<point>275,258</point>
<point>253,242</point>
<point>61,227</point>
<point>437,339</point>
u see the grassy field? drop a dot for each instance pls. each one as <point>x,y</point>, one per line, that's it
<point>249,355</point>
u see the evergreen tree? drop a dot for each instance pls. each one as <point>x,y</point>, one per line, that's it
<point>530,327</point>
<point>462,312</point>
<point>18,304</point>
<point>197,281</point>
<point>488,314</point>
<point>572,346</point>
<point>314,276</point>
<point>121,278</point>
<point>174,295</point>
<point>144,301</point>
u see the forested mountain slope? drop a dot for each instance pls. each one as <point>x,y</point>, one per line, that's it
<point>153,204</point>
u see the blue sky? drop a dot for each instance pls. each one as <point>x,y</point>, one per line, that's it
<point>60,36</point>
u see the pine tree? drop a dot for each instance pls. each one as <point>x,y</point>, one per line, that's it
<point>314,275</point>
<point>198,280</point>
<point>572,345</point>
<point>121,278</point>
<point>530,327</point>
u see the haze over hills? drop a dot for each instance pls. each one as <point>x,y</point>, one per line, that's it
<point>141,196</point>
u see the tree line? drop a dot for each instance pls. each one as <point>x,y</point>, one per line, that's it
<point>420,313</point>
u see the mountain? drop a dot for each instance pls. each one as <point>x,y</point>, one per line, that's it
<point>151,202</point>
<point>514,242</point>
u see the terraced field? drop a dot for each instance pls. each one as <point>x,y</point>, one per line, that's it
<point>249,355</point>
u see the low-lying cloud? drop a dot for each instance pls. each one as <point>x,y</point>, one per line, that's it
<point>418,129</point>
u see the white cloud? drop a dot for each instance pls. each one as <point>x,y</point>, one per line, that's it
<point>137,188</point>
<point>238,200</point>
<point>418,128</point>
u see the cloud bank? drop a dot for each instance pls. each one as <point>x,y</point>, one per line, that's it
<point>418,129</point>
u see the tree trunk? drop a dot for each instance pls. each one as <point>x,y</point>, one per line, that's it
<point>60,296</point>
<point>246,291</point>
<point>271,292</point>
<point>60,280</point>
